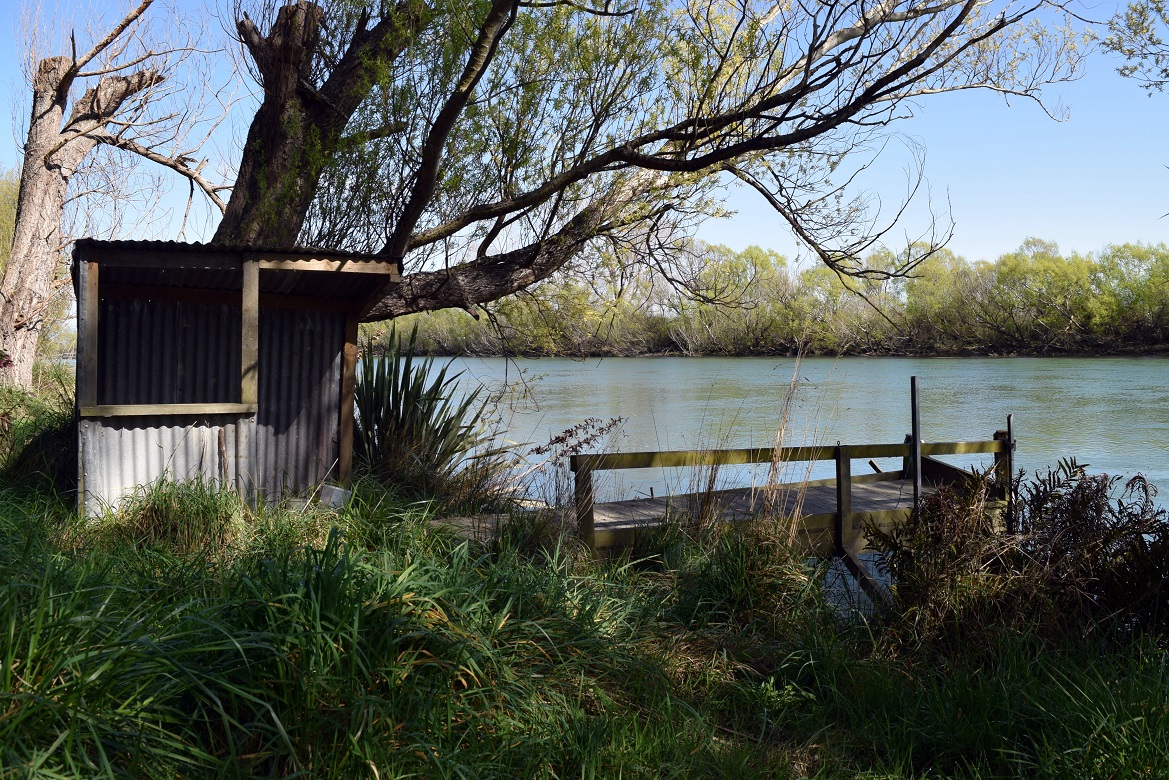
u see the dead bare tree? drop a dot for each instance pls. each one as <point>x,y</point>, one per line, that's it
<point>118,94</point>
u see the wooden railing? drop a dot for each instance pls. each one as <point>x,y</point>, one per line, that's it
<point>584,466</point>
<point>916,458</point>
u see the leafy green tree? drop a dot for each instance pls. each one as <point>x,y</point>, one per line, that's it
<point>489,144</point>
<point>1037,299</point>
<point>741,303</point>
<point>937,303</point>
<point>1133,281</point>
<point>843,313</point>
<point>1137,34</point>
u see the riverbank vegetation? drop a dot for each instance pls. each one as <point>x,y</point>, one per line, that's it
<point>1032,301</point>
<point>187,634</point>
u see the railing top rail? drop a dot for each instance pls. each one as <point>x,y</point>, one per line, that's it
<point>611,461</point>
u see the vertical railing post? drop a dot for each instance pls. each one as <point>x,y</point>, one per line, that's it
<point>915,445</point>
<point>582,471</point>
<point>1004,464</point>
<point>843,456</point>
<point>1011,469</point>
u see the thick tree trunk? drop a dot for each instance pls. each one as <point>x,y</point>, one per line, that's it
<point>52,154</point>
<point>287,141</point>
<point>27,285</point>
<point>298,127</point>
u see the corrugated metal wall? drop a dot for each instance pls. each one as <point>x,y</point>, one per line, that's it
<point>121,453</point>
<point>166,352</point>
<point>299,395</point>
<point>169,352</point>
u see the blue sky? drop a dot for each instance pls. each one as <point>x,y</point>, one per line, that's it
<point>1007,171</point>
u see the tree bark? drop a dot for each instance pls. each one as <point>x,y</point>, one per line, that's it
<point>52,154</point>
<point>37,243</point>
<point>297,128</point>
<point>467,285</point>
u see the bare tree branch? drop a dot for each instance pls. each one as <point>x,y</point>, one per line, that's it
<point>180,165</point>
<point>110,38</point>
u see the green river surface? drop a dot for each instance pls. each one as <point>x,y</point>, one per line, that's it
<point>1111,413</point>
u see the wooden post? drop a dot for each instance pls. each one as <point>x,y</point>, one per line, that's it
<point>1004,470</point>
<point>582,467</point>
<point>243,457</point>
<point>1010,468</point>
<point>222,448</point>
<point>843,496</point>
<point>250,334</point>
<point>249,376</point>
<point>88,308</point>
<point>915,445</point>
<point>348,384</point>
<point>89,337</point>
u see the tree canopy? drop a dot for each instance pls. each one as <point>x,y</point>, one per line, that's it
<point>488,143</point>
<point>1138,34</point>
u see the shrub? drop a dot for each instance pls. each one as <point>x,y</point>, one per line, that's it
<point>412,431</point>
<point>1101,543</point>
<point>1090,553</point>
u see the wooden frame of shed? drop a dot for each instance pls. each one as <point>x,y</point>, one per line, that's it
<point>232,365</point>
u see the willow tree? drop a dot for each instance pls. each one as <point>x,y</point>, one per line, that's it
<point>488,143</point>
<point>1139,33</point>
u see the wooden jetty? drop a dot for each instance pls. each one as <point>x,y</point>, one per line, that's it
<point>830,515</point>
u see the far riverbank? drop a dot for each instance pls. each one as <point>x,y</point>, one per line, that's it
<point>1035,301</point>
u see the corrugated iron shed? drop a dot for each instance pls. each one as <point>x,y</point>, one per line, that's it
<point>232,365</point>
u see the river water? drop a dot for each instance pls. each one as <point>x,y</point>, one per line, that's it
<point>1111,413</point>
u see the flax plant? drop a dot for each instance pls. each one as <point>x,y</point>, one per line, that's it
<point>413,430</point>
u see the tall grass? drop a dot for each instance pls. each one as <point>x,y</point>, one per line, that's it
<point>426,657</point>
<point>189,636</point>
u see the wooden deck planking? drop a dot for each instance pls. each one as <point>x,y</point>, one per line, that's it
<point>616,523</point>
<point>739,503</point>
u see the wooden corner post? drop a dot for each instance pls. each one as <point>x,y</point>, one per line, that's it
<point>249,374</point>
<point>250,334</point>
<point>89,335</point>
<point>582,470</point>
<point>88,311</point>
<point>348,386</point>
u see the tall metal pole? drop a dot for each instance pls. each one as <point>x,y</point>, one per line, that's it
<point>915,445</point>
